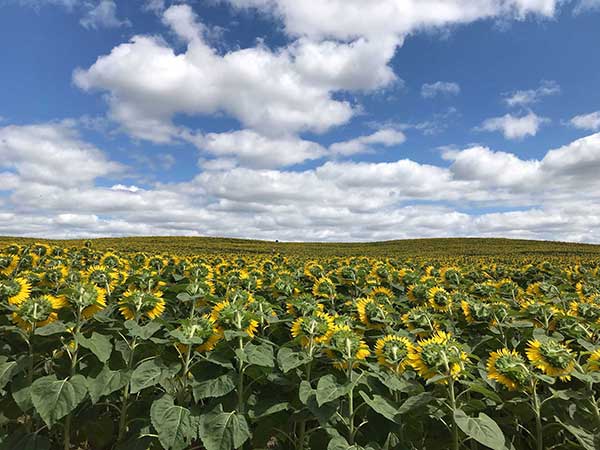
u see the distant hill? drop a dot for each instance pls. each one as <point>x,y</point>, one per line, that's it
<point>438,247</point>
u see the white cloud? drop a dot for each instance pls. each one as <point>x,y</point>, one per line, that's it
<point>103,15</point>
<point>439,88</point>
<point>155,6</point>
<point>255,150</point>
<point>51,181</point>
<point>515,127</point>
<point>52,154</point>
<point>348,19</point>
<point>589,121</point>
<point>386,137</point>
<point>585,6</point>
<point>524,98</point>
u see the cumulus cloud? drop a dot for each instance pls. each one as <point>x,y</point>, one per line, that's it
<point>515,127</point>
<point>586,5</point>
<point>527,97</point>
<point>589,121</point>
<point>439,88</point>
<point>103,15</point>
<point>386,137</point>
<point>53,184</point>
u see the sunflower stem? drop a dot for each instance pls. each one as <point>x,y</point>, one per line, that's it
<point>125,395</point>
<point>350,405</point>
<point>538,416</point>
<point>453,407</point>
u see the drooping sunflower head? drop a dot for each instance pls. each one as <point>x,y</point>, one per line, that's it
<point>420,321</point>
<point>346,274</point>
<point>371,312</point>
<point>440,355</point>
<point>101,276</point>
<point>234,315</point>
<point>87,296</point>
<point>551,357</point>
<point>477,311</point>
<point>324,288</point>
<point>199,331</point>
<point>55,275</point>
<point>137,304</point>
<point>8,263</point>
<point>303,305</point>
<point>439,299</point>
<point>508,368</point>
<point>316,328</point>
<point>588,310</point>
<point>417,293</point>
<point>593,362</point>
<point>451,275</point>
<point>381,294</point>
<point>392,352</point>
<point>37,311</point>
<point>313,270</point>
<point>15,290</point>
<point>346,347</point>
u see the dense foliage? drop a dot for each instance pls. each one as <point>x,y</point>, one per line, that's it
<point>104,350</point>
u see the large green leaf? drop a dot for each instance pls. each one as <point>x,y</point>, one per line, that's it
<point>328,389</point>
<point>217,387</point>
<point>175,425</point>
<point>289,359</point>
<point>53,399</point>
<point>482,429</point>
<point>383,406</point>
<point>259,355</point>
<point>144,332</point>
<point>98,344</point>
<point>147,374</point>
<point>7,370</point>
<point>24,441</point>
<point>414,402</point>
<point>106,382</point>
<point>587,440</point>
<point>223,430</point>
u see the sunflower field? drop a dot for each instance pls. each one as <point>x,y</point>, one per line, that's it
<point>124,350</point>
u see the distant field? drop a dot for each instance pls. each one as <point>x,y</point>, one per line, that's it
<point>443,247</point>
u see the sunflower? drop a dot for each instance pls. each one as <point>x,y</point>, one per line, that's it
<point>88,297</point>
<point>303,305</point>
<point>593,362</point>
<point>346,347</point>
<point>101,276</point>
<point>451,275</point>
<point>440,355</point>
<point>371,313</point>
<point>37,311</point>
<point>417,293</point>
<point>135,304</point>
<point>233,315</point>
<point>587,310</point>
<point>551,357</point>
<point>508,368</point>
<point>477,311</point>
<point>439,299</point>
<point>420,321</point>
<point>17,290</point>
<point>382,294</point>
<point>324,288</point>
<point>317,327</point>
<point>8,264</point>
<point>392,352</point>
<point>313,270</point>
<point>200,331</point>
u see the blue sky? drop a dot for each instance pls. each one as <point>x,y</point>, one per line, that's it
<point>269,119</point>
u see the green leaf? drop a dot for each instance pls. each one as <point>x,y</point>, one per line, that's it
<point>414,402</point>
<point>53,399</point>
<point>585,439</point>
<point>266,407</point>
<point>338,443</point>
<point>482,429</point>
<point>23,441</point>
<point>144,332</point>
<point>147,374</point>
<point>98,344</point>
<point>287,359</point>
<point>217,387</point>
<point>383,406</point>
<point>304,391</point>
<point>21,393</point>
<point>259,355</point>
<point>52,328</point>
<point>223,430</point>
<point>175,425</point>
<point>328,389</point>
<point>106,382</point>
<point>481,389</point>
<point>7,370</point>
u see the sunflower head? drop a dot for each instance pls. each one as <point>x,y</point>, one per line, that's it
<point>38,311</point>
<point>324,288</point>
<point>439,355</point>
<point>316,328</point>
<point>439,299</point>
<point>88,297</point>
<point>371,312</point>
<point>508,368</point>
<point>417,293</point>
<point>346,347</point>
<point>233,314</point>
<point>199,331</point>
<point>551,357</point>
<point>136,304</point>
<point>420,321</point>
<point>392,352</point>
<point>593,362</point>
<point>15,290</point>
<point>381,294</point>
